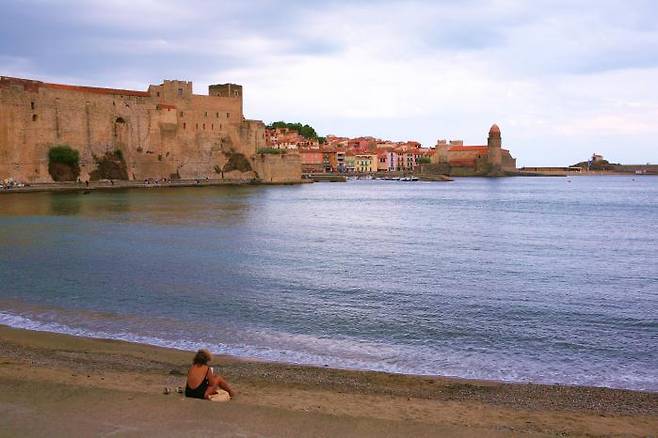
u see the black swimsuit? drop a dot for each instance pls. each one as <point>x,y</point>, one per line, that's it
<point>199,391</point>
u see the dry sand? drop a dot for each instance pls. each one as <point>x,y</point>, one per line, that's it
<point>58,385</point>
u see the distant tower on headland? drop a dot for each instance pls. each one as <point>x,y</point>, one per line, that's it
<point>494,145</point>
<point>490,159</point>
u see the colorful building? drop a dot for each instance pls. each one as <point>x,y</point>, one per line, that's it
<point>312,160</point>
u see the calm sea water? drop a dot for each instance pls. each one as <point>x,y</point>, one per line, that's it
<point>518,279</point>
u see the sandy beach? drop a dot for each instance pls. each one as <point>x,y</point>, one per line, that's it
<point>60,385</point>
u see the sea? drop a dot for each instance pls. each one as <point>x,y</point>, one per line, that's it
<point>545,280</point>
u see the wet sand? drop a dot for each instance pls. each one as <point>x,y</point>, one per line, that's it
<point>59,385</point>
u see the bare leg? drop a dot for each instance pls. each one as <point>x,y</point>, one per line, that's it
<point>212,389</point>
<point>217,381</point>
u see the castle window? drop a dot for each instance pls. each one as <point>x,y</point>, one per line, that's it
<point>204,126</point>
<point>236,93</point>
<point>158,94</point>
<point>212,126</point>
<point>205,114</point>
<point>32,105</point>
<point>197,126</point>
<point>181,113</point>
<point>34,117</point>
<point>180,91</point>
<point>184,125</point>
<point>217,114</point>
<point>228,115</point>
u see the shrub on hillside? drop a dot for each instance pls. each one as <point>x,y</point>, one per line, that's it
<point>64,154</point>
<point>274,151</point>
<point>110,166</point>
<point>63,163</point>
<point>237,161</point>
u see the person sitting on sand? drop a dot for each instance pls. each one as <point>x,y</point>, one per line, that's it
<point>201,381</point>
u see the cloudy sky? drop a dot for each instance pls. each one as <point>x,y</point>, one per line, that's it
<point>562,78</point>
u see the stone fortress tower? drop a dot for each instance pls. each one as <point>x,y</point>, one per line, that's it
<point>166,131</point>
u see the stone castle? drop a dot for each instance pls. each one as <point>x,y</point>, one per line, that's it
<point>489,159</point>
<point>164,132</point>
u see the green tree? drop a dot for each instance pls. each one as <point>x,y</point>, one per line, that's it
<point>305,131</point>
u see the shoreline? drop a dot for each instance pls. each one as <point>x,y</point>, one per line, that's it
<point>246,357</point>
<point>69,187</point>
<point>118,185</point>
<point>111,375</point>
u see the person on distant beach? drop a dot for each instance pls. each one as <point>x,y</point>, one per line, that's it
<point>201,381</point>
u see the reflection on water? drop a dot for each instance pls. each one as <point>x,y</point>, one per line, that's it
<point>519,279</point>
<point>160,205</point>
<point>65,204</point>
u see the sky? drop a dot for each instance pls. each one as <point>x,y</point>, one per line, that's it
<point>563,78</point>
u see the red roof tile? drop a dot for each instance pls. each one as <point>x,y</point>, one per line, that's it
<point>468,149</point>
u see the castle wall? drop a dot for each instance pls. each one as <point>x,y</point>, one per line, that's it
<point>163,132</point>
<point>278,168</point>
<point>507,161</point>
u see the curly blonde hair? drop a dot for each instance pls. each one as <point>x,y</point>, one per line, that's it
<point>202,357</point>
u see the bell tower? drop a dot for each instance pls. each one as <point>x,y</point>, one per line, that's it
<point>494,144</point>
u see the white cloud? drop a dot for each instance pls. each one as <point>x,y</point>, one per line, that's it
<point>562,78</point>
